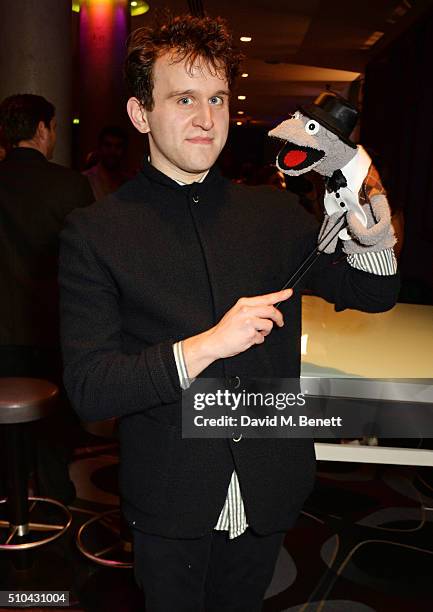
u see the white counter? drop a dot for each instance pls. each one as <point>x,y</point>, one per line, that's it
<point>394,344</point>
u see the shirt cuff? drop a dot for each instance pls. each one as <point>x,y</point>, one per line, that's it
<point>184,381</point>
<point>382,263</point>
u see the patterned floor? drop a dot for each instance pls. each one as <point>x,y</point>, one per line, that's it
<point>364,543</point>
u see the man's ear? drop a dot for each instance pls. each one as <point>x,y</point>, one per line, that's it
<point>41,132</point>
<point>138,115</point>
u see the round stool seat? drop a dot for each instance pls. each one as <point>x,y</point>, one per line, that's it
<point>25,399</point>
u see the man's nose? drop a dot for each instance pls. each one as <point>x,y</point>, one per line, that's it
<point>203,117</point>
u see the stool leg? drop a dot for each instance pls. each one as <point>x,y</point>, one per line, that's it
<point>17,476</point>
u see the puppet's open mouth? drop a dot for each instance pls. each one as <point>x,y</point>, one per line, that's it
<point>295,157</point>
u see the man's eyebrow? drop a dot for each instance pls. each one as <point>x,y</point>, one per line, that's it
<point>188,92</point>
<point>180,93</point>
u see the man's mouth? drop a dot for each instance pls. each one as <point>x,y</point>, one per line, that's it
<point>200,140</point>
<point>296,157</point>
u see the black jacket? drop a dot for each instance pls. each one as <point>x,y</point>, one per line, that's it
<point>35,197</point>
<point>158,262</point>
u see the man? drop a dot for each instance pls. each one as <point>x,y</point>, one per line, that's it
<point>108,174</point>
<point>154,284</point>
<point>35,197</point>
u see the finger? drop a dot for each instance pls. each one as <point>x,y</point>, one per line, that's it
<point>259,338</point>
<point>267,299</point>
<point>262,325</point>
<point>266,312</point>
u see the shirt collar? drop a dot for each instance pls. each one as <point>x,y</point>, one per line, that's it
<point>356,169</point>
<point>200,181</point>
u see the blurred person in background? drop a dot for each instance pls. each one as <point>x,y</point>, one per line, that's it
<point>108,173</point>
<point>35,197</point>
<point>270,175</point>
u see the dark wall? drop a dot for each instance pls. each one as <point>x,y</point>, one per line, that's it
<point>397,129</point>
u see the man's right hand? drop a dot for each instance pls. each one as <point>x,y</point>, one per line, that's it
<point>247,323</point>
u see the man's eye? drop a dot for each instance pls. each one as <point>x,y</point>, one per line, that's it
<point>216,100</point>
<point>185,101</point>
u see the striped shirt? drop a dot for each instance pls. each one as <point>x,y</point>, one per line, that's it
<point>382,263</point>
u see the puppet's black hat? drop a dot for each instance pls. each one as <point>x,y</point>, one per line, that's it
<point>334,113</point>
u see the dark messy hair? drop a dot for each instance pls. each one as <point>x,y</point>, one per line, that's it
<point>187,38</point>
<point>20,115</point>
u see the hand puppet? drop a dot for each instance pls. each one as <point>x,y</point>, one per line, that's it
<point>317,137</point>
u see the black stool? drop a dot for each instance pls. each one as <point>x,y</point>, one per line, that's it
<point>23,400</point>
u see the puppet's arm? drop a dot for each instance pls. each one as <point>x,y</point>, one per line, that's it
<point>377,235</point>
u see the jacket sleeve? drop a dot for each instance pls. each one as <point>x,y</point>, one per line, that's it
<point>101,380</point>
<point>334,279</point>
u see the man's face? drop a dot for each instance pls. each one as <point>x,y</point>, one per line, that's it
<point>111,152</point>
<point>189,123</point>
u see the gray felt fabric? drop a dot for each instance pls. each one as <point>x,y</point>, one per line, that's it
<point>377,236</point>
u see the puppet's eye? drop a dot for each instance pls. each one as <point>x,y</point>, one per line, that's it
<point>312,127</point>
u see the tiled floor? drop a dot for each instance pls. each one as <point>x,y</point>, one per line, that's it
<point>363,543</point>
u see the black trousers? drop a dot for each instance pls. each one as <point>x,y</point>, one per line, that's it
<point>207,574</point>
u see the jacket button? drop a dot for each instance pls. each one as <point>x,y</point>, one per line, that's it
<point>237,439</point>
<point>195,199</point>
<point>234,382</point>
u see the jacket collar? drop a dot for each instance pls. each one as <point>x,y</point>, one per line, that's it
<point>155,176</point>
<point>356,169</point>
<point>26,153</point>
